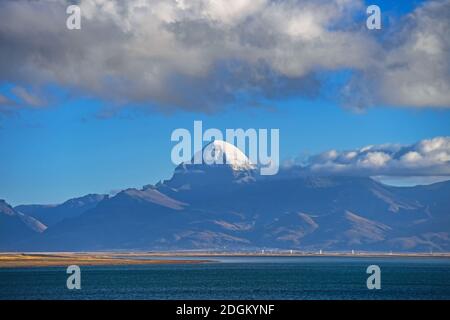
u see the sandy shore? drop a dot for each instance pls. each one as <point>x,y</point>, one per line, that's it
<point>14,260</point>
<point>46,259</point>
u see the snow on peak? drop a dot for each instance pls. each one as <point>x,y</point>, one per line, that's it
<point>222,152</point>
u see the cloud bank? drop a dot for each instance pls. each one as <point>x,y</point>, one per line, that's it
<point>429,157</point>
<point>202,55</point>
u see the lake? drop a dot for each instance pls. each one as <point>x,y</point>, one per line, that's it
<point>239,278</point>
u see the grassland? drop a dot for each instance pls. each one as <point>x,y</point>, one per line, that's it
<point>15,260</point>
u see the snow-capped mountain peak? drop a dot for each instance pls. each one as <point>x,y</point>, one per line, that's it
<point>218,163</point>
<point>221,152</point>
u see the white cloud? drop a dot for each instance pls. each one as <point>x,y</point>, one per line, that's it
<point>413,69</point>
<point>23,99</point>
<point>430,157</point>
<point>27,98</point>
<point>202,54</point>
<point>374,160</point>
<point>411,157</point>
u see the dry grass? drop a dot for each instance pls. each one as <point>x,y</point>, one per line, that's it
<point>14,260</point>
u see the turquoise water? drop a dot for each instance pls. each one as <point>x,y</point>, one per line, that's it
<point>239,278</point>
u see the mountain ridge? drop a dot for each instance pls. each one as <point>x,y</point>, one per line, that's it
<point>205,206</point>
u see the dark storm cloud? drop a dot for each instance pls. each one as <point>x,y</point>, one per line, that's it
<point>203,55</point>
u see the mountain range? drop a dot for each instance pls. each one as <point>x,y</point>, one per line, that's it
<point>230,207</point>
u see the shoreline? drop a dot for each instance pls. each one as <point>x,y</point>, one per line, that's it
<point>114,258</point>
<point>282,254</point>
<point>25,260</point>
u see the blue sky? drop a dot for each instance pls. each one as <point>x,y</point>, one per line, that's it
<point>67,149</point>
